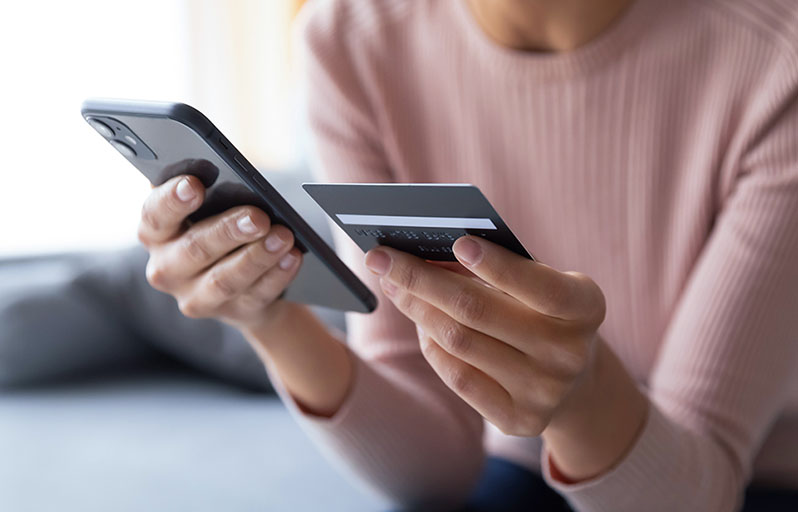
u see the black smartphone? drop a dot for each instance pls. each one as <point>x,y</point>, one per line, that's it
<point>164,140</point>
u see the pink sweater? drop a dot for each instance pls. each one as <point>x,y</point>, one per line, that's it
<point>661,159</point>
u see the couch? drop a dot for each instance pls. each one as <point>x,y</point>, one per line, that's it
<point>111,400</point>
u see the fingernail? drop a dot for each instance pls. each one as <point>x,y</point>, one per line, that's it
<point>378,261</point>
<point>184,191</point>
<point>246,226</point>
<point>274,243</point>
<point>420,331</point>
<point>287,261</point>
<point>468,250</point>
<point>388,287</point>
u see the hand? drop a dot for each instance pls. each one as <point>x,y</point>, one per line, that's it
<point>515,350</point>
<point>232,266</point>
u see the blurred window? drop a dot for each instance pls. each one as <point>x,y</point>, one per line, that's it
<point>63,188</point>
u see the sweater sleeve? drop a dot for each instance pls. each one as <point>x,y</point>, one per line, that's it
<point>400,431</point>
<point>730,352</point>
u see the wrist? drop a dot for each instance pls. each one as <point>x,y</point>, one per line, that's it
<point>279,322</point>
<point>580,404</point>
<point>315,367</point>
<point>599,422</point>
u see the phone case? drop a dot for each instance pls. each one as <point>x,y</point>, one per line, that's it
<point>163,140</point>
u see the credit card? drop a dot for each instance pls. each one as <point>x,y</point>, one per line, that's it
<point>423,219</point>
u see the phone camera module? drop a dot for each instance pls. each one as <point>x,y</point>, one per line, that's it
<point>123,148</point>
<point>120,136</point>
<point>105,130</point>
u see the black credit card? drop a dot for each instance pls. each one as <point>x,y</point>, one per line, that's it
<point>422,219</point>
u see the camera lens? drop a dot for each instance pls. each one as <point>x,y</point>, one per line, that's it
<point>123,148</point>
<point>101,127</point>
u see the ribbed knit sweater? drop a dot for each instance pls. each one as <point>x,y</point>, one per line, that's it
<point>660,159</point>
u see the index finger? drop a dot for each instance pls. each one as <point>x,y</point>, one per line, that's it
<point>467,301</point>
<point>167,207</point>
<point>563,295</point>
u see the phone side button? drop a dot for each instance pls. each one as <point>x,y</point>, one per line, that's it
<point>243,166</point>
<point>260,180</point>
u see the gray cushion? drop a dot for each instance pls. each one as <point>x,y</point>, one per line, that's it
<point>52,326</point>
<point>62,315</point>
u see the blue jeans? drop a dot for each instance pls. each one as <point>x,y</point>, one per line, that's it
<point>505,486</point>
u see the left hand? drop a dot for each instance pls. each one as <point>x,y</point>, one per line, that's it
<point>516,350</point>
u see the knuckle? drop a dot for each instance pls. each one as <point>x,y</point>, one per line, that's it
<point>427,348</point>
<point>469,306</point>
<point>506,273</point>
<point>220,284</point>
<point>456,340</point>
<point>405,302</point>
<point>194,248</point>
<point>579,277</point>
<point>594,301</point>
<point>142,236</point>
<point>256,259</point>
<point>409,276</point>
<point>156,275</point>
<point>461,381</point>
<point>190,309</point>
<point>148,219</point>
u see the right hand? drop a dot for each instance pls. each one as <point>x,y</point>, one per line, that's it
<point>232,266</point>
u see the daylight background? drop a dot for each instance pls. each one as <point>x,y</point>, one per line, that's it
<point>64,188</point>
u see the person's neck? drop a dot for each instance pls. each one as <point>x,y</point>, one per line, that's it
<point>545,25</point>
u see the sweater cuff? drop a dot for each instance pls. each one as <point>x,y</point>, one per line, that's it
<point>650,464</point>
<point>361,424</point>
<point>348,410</point>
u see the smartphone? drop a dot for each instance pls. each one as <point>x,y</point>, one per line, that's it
<point>164,140</point>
